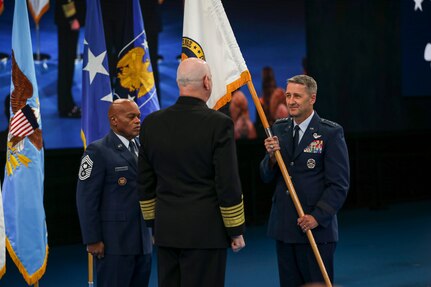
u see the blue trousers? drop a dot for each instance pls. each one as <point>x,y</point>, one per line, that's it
<point>297,264</point>
<point>123,270</point>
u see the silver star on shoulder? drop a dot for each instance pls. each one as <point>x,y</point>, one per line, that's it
<point>418,4</point>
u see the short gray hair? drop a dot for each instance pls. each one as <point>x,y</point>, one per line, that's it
<point>306,81</point>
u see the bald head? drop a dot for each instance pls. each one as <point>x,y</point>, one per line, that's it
<point>124,118</point>
<point>119,106</point>
<point>194,78</point>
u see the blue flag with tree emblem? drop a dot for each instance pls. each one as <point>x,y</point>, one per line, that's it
<point>24,215</point>
<point>135,73</point>
<point>96,85</point>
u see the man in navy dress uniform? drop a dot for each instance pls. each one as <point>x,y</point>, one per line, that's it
<point>112,225</point>
<point>189,184</point>
<point>315,154</point>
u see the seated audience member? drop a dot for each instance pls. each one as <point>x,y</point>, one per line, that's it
<point>277,106</point>
<point>244,128</point>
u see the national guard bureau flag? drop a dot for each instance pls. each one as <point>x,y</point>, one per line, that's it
<point>24,215</point>
<point>96,85</point>
<point>207,35</point>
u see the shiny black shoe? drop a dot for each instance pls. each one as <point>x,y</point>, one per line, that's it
<point>74,113</point>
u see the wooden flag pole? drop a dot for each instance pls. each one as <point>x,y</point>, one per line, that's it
<point>90,270</point>
<point>289,184</point>
<point>36,284</point>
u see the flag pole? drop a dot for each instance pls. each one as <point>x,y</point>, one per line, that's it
<point>289,183</point>
<point>90,270</point>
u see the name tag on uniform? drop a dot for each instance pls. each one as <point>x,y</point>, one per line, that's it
<point>315,146</point>
<point>121,168</point>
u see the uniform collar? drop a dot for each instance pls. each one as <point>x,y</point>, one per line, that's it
<point>304,125</point>
<point>189,100</point>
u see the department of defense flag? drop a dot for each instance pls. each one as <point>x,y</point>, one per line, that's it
<point>24,215</point>
<point>207,35</point>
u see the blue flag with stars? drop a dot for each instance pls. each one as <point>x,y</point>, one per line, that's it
<point>135,74</point>
<point>96,85</point>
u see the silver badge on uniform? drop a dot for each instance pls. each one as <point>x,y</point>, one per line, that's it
<point>311,163</point>
<point>85,168</point>
<point>316,136</point>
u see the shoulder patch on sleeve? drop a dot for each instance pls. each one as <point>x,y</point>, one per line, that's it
<point>329,123</point>
<point>85,168</point>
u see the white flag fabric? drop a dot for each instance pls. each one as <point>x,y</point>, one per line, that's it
<point>38,8</point>
<point>207,35</point>
<point>2,241</point>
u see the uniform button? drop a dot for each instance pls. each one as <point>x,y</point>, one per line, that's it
<point>292,163</point>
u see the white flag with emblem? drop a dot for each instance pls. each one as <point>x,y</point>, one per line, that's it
<point>207,35</point>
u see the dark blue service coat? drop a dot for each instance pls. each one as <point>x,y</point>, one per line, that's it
<point>319,170</point>
<point>107,199</point>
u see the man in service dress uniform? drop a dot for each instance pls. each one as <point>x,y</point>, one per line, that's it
<point>112,225</point>
<point>189,184</point>
<point>315,153</point>
<point>69,17</point>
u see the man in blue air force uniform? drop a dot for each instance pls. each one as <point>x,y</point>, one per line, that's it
<point>108,205</point>
<point>315,153</point>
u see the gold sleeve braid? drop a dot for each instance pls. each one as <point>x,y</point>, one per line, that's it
<point>233,216</point>
<point>148,208</point>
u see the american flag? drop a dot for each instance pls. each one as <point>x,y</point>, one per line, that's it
<point>24,122</point>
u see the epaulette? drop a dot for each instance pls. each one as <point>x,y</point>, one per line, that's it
<point>282,120</point>
<point>329,123</point>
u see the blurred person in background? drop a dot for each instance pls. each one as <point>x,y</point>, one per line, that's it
<point>244,128</point>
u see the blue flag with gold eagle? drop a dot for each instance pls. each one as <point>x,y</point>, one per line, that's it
<point>24,215</point>
<point>96,85</point>
<point>135,74</point>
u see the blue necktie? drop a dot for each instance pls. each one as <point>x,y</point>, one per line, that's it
<point>295,138</point>
<point>133,149</point>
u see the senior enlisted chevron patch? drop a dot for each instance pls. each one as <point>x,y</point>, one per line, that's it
<point>233,216</point>
<point>85,168</point>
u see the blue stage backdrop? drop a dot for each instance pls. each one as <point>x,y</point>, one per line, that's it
<point>269,33</point>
